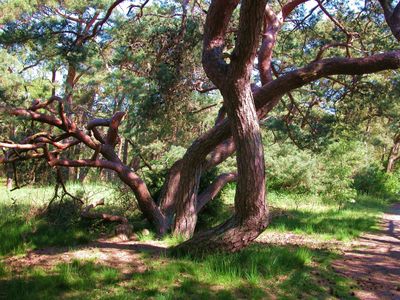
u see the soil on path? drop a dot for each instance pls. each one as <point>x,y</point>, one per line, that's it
<point>375,263</point>
<point>112,252</point>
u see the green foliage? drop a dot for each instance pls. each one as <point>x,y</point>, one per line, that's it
<point>291,169</point>
<point>329,173</point>
<point>340,161</point>
<point>218,209</point>
<point>373,180</point>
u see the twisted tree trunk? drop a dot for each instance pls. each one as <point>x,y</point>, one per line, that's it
<point>250,217</point>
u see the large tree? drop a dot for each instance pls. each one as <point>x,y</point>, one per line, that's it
<point>233,46</point>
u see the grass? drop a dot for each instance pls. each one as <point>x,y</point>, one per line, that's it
<point>76,280</point>
<point>257,272</point>
<point>313,216</point>
<point>25,225</point>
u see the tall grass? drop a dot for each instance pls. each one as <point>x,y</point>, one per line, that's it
<point>76,280</point>
<point>323,219</point>
<point>258,272</point>
<point>25,224</point>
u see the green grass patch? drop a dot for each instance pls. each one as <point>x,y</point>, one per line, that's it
<point>25,224</point>
<point>311,215</point>
<point>76,280</point>
<point>258,272</point>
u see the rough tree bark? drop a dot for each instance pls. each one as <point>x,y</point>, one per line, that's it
<point>233,80</point>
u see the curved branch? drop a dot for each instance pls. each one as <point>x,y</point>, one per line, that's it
<point>98,122</point>
<point>34,116</point>
<point>112,134</point>
<point>392,17</point>
<point>326,67</point>
<point>251,13</point>
<point>21,146</point>
<point>100,23</point>
<point>290,6</point>
<point>216,25</point>
<point>212,191</point>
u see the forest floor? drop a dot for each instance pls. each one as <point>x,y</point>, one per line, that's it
<point>375,261</point>
<point>123,255</point>
<point>372,261</point>
<point>312,250</point>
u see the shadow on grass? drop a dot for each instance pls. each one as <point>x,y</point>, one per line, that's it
<point>341,225</point>
<point>18,236</point>
<point>258,272</point>
<point>66,280</point>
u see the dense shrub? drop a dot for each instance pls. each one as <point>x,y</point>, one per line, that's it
<point>372,180</point>
<point>330,172</point>
<point>289,168</point>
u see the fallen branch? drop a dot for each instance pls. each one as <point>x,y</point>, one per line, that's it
<point>88,214</point>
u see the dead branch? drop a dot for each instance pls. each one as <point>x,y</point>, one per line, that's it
<point>88,214</point>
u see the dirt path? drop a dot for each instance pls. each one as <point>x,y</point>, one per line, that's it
<point>375,263</point>
<point>122,255</point>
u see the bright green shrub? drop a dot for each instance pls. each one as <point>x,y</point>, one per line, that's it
<point>289,168</point>
<point>372,180</point>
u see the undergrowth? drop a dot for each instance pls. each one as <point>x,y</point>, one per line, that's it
<point>257,272</point>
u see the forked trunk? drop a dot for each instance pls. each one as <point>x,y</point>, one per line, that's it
<point>167,198</point>
<point>251,216</point>
<point>186,200</point>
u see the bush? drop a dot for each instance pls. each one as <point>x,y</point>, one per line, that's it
<point>289,168</point>
<point>372,180</point>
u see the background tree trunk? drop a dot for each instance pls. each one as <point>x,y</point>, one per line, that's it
<point>394,155</point>
<point>9,176</point>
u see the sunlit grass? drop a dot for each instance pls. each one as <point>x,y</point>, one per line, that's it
<point>258,272</point>
<point>25,225</point>
<point>311,215</point>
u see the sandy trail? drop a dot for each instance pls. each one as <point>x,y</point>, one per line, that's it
<point>375,263</point>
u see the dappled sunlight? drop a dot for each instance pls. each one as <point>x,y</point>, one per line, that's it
<point>122,255</point>
<point>375,263</point>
